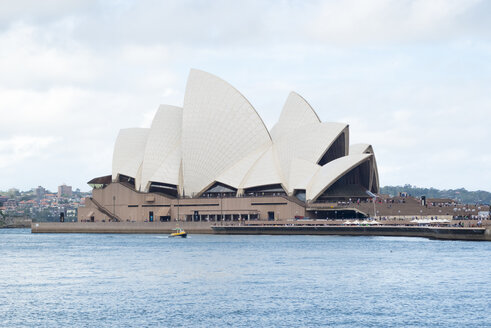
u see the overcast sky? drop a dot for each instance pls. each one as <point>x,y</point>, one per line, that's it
<point>412,78</point>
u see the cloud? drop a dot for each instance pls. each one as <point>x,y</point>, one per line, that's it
<point>411,77</point>
<point>221,23</point>
<point>355,21</point>
<point>21,148</point>
<point>41,12</point>
<point>266,23</point>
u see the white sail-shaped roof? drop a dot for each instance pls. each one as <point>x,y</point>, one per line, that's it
<point>264,172</point>
<point>128,152</point>
<point>236,174</point>
<point>217,136</point>
<point>360,149</point>
<point>168,171</point>
<point>308,142</point>
<point>368,149</point>
<point>331,172</point>
<point>219,127</point>
<point>301,172</point>
<point>163,148</point>
<point>296,113</point>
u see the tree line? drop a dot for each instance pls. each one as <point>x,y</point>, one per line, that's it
<point>461,195</point>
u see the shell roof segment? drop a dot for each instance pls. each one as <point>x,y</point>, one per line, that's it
<point>236,174</point>
<point>360,149</point>
<point>368,149</point>
<point>331,172</point>
<point>163,148</point>
<point>264,172</point>
<point>296,113</point>
<point>301,172</point>
<point>308,143</point>
<point>128,152</point>
<point>217,136</point>
<point>219,127</point>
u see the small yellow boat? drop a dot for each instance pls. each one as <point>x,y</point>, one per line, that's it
<point>178,232</point>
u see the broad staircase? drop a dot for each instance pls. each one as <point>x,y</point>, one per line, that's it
<point>104,210</point>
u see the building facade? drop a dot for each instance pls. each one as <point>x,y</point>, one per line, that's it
<point>214,159</point>
<point>64,191</point>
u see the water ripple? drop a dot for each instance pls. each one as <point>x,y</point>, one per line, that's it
<point>104,280</point>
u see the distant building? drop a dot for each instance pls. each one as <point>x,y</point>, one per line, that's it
<point>71,213</point>
<point>40,192</point>
<point>215,160</point>
<point>10,204</point>
<point>64,191</point>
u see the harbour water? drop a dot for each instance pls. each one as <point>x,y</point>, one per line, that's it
<point>106,280</point>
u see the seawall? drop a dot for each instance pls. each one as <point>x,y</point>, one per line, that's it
<point>449,233</point>
<point>120,227</point>
<point>15,223</point>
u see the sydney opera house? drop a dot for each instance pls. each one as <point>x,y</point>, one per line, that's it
<point>213,159</point>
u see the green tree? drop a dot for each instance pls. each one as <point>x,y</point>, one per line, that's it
<point>461,195</point>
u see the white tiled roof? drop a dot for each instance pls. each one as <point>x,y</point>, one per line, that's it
<point>331,172</point>
<point>296,113</point>
<point>128,152</point>
<point>219,127</point>
<point>218,137</point>
<point>163,148</point>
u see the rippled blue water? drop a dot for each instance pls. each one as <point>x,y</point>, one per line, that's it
<point>89,280</point>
